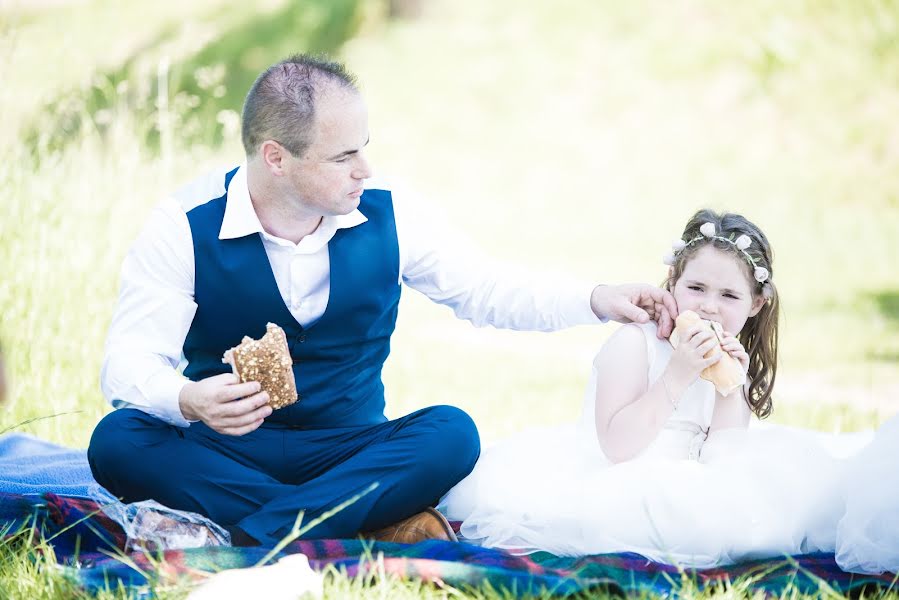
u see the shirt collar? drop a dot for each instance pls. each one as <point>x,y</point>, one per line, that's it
<point>240,218</point>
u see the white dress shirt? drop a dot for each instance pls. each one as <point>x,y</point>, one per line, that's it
<point>156,300</point>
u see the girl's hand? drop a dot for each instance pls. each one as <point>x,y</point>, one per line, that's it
<point>731,345</point>
<point>689,358</point>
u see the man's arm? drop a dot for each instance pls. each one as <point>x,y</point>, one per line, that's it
<point>153,315</point>
<point>438,263</point>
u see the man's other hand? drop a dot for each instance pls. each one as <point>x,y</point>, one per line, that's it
<point>635,303</point>
<point>225,404</point>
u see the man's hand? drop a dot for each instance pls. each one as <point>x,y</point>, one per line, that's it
<point>635,303</point>
<point>224,404</point>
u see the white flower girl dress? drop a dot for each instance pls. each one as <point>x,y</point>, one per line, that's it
<point>688,498</point>
<point>868,533</point>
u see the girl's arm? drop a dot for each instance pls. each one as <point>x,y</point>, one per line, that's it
<point>629,413</point>
<point>731,410</point>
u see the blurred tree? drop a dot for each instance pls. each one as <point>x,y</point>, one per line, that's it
<point>405,9</point>
<point>197,96</point>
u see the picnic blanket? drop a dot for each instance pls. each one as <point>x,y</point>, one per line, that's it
<point>30,465</point>
<point>89,547</point>
<point>49,488</point>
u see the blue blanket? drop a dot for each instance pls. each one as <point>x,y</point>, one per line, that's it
<point>29,465</point>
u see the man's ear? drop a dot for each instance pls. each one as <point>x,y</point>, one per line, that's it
<point>273,155</point>
<point>758,302</point>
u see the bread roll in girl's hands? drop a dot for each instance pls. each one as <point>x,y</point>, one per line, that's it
<point>266,360</point>
<point>727,374</point>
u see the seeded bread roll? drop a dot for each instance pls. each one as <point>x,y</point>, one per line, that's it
<point>266,360</point>
<point>727,374</point>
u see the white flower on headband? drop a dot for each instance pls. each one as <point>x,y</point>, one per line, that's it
<point>743,241</point>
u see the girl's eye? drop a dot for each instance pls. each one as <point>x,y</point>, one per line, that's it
<point>730,296</point>
<point>695,288</point>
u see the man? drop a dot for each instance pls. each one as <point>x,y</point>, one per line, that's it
<point>295,237</point>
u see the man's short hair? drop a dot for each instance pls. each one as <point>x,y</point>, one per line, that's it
<point>280,105</point>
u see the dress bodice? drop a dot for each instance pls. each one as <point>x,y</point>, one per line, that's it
<point>685,430</point>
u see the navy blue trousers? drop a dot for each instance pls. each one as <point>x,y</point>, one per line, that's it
<point>257,483</point>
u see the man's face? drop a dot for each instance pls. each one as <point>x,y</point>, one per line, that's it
<point>328,178</point>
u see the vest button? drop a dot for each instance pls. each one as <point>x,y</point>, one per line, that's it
<point>302,338</point>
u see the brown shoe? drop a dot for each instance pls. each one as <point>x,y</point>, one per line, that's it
<point>426,525</point>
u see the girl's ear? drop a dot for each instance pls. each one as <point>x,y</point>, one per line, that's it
<point>758,301</point>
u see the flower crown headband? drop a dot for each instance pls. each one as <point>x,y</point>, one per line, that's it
<point>742,242</point>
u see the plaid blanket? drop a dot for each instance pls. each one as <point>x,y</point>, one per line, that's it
<point>89,547</point>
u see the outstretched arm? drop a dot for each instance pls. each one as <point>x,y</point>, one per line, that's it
<point>438,262</point>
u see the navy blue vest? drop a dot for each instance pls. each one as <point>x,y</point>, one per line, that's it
<point>338,359</point>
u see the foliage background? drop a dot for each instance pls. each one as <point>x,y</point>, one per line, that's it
<point>572,137</point>
<point>569,137</point>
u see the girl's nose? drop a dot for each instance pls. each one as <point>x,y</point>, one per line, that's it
<point>708,307</point>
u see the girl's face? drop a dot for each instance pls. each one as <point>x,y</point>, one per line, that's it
<point>716,286</point>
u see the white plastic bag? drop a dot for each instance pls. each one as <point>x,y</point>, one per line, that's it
<point>288,579</point>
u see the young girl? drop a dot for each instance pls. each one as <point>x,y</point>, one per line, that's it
<point>660,463</point>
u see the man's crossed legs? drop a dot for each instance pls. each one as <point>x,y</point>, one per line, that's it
<point>254,485</point>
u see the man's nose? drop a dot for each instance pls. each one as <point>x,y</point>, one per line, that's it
<point>362,168</point>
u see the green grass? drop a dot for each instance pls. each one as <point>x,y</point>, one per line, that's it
<point>569,137</point>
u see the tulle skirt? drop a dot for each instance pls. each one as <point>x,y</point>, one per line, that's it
<point>762,492</point>
<point>868,533</point>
